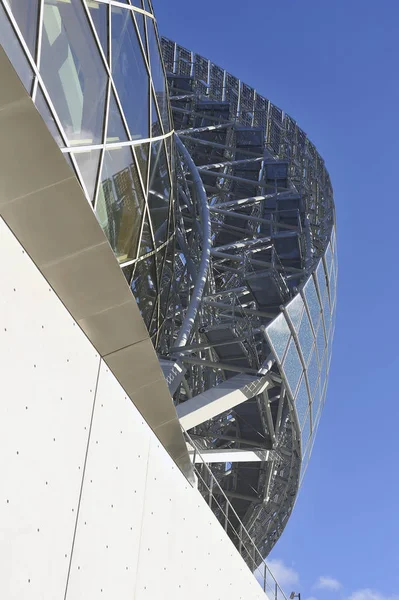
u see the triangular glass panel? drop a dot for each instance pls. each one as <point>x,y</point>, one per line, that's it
<point>159,192</point>
<point>25,14</point>
<point>120,203</point>
<point>140,20</point>
<point>44,110</point>
<point>88,163</point>
<point>141,152</point>
<point>130,75</point>
<point>116,129</point>
<point>99,14</point>
<point>156,129</point>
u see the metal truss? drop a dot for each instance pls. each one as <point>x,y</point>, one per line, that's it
<point>239,261</point>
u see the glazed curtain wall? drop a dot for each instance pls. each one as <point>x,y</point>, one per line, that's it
<point>94,71</point>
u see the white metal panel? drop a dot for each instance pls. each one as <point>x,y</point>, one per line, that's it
<point>184,552</point>
<point>48,377</point>
<point>108,535</point>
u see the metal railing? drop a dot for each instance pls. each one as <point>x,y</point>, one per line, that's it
<point>217,500</point>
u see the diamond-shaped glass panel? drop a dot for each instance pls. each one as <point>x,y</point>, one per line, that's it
<point>292,367</point>
<point>313,372</point>
<point>146,243</point>
<point>120,202</point>
<point>295,311</point>
<point>73,71</point>
<point>88,163</point>
<point>279,334</point>
<point>130,73</point>
<point>306,431</point>
<point>305,337</point>
<point>312,301</point>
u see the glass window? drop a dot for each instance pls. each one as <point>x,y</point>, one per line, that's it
<point>130,73</point>
<point>159,192</point>
<point>320,341</point>
<point>302,402</point>
<point>156,129</point>
<point>120,202</point>
<point>312,302</point>
<point>99,14</point>
<point>157,74</point>
<point>88,163</point>
<point>116,129</point>
<point>73,71</point>
<point>25,14</point>
<point>295,311</point>
<point>144,287</point>
<point>329,260</point>
<point>141,152</point>
<point>305,337</point>
<point>316,406</point>
<point>313,373</point>
<point>306,431</point>
<point>146,241</point>
<point>279,334</point>
<point>14,51</point>
<point>321,280</point>
<point>292,367</point>
<point>47,116</point>
<point>327,314</point>
<point>140,20</point>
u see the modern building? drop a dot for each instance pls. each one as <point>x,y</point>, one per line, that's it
<point>168,305</point>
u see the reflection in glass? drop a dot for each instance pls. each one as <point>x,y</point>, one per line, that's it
<point>156,129</point>
<point>73,71</point>
<point>158,76</point>
<point>116,130</point>
<point>99,14</point>
<point>44,110</point>
<point>25,14</point>
<point>14,51</point>
<point>141,153</point>
<point>312,302</point>
<point>329,259</point>
<point>320,341</point>
<point>159,192</point>
<point>140,20</point>
<point>144,287</point>
<point>88,163</point>
<point>146,243</point>
<point>279,334</point>
<point>292,367</point>
<point>120,202</point>
<point>130,73</point>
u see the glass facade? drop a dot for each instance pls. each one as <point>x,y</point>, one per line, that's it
<point>301,340</point>
<point>95,73</point>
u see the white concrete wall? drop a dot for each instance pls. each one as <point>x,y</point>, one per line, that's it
<point>91,505</point>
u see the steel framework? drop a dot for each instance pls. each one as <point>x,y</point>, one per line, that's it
<point>254,221</point>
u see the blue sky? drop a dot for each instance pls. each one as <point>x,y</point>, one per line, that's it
<point>333,65</point>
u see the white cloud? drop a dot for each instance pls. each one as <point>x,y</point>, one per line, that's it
<point>328,583</point>
<point>368,594</point>
<point>286,576</point>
